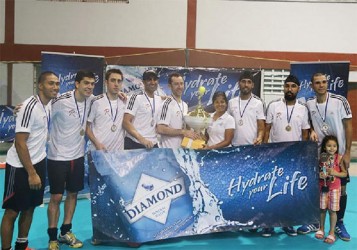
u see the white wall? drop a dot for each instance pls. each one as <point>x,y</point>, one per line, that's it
<point>277,26</point>
<point>141,23</point>
<point>23,82</point>
<point>2,21</point>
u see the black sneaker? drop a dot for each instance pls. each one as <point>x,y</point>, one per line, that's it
<point>267,232</point>
<point>289,231</point>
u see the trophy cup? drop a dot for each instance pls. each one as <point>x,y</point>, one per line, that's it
<point>198,120</point>
<point>323,163</point>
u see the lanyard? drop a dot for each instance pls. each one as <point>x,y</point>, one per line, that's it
<point>288,117</point>
<point>241,114</point>
<point>48,116</point>
<point>81,121</point>
<point>111,110</point>
<point>183,108</point>
<point>323,118</point>
<point>152,106</point>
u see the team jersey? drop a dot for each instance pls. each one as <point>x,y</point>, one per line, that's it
<point>246,113</point>
<point>103,114</point>
<point>332,112</point>
<point>32,118</point>
<point>145,111</point>
<point>68,122</point>
<point>172,114</point>
<point>218,127</point>
<point>278,115</point>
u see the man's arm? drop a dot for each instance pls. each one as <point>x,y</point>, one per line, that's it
<point>260,135</point>
<point>267,132</point>
<point>347,123</point>
<point>98,145</point>
<point>164,129</point>
<point>129,127</point>
<point>24,156</point>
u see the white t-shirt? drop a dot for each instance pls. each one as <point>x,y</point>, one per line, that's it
<point>278,114</point>
<point>338,109</point>
<point>172,114</point>
<point>68,119</point>
<point>32,118</point>
<point>102,117</point>
<point>246,113</point>
<point>145,112</point>
<point>218,127</point>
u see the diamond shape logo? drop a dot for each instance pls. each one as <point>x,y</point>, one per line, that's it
<point>152,198</point>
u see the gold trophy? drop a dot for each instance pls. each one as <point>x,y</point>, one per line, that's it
<point>198,120</point>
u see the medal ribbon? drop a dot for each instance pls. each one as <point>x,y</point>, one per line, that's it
<point>288,117</point>
<point>183,108</point>
<point>323,118</point>
<point>152,106</point>
<point>48,116</point>
<point>84,112</point>
<point>111,109</point>
<point>241,114</point>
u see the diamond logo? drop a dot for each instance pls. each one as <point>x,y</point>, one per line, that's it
<point>152,198</point>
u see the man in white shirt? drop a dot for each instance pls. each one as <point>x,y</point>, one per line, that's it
<point>287,120</point>
<point>248,111</point>
<point>331,115</point>
<point>104,125</point>
<point>171,124</point>
<point>66,157</point>
<point>26,163</point>
<point>141,115</point>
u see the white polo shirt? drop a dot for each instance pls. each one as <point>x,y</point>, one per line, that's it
<point>245,114</point>
<point>31,118</point>
<point>145,111</point>
<point>218,127</point>
<point>172,114</point>
<point>66,143</point>
<point>103,114</point>
<point>337,109</point>
<point>278,114</point>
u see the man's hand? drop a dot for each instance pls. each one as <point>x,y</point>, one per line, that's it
<point>148,144</point>
<point>313,136</point>
<point>191,134</point>
<point>17,109</point>
<point>122,96</point>
<point>34,181</point>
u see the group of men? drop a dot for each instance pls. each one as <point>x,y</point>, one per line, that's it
<point>113,123</point>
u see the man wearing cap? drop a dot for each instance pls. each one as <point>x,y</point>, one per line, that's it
<point>287,120</point>
<point>247,110</point>
<point>141,115</point>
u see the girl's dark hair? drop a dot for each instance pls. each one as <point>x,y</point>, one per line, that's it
<point>325,140</point>
<point>219,93</point>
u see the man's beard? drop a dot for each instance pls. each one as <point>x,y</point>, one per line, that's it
<point>290,97</point>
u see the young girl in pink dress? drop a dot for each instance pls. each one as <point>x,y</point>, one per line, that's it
<point>331,170</point>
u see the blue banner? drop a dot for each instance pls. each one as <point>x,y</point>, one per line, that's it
<point>337,75</point>
<point>7,124</point>
<point>148,195</point>
<point>213,79</point>
<point>67,65</point>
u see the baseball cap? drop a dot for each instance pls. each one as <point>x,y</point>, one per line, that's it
<point>148,74</point>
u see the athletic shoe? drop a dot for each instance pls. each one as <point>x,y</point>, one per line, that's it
<point>267,232</point>
<point>70,239</point>
<point>289,231</point>
<point>342,232</point>
<point>305,229</point>
<point>53,245</point>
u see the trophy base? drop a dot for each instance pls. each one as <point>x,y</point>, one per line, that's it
<point>193,144</point>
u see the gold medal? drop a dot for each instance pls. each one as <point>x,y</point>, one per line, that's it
<point>81,132</point>
<point>288,128</point>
